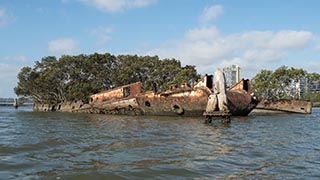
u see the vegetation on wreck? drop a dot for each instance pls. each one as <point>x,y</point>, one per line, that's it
<point>69,78</point>
<point>286,83</point>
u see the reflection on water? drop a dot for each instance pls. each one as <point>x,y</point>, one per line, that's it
<point>37,145</point>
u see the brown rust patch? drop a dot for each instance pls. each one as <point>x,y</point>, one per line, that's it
<point>241,85</point>
<point>126,91</point>
<point>296,106</point>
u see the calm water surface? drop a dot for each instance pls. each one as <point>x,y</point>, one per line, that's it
<point>83,146</point>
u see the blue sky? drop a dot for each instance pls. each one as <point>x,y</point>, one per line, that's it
<point>208,33</point>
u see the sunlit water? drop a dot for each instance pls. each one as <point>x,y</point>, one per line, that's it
<point>83,146</point>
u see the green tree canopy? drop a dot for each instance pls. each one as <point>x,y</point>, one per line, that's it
<point>283,83</point>
<point>76,77</point>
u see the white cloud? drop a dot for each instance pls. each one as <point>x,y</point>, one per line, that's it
<point>204,33</point>
<point>262,55</point>
<point>9,69</point>
<point>8,79</point>
<point>63,46</point>
<point>5,18</point>
<point>103,34</point>
<point>18,58</point>
<point>311,66</point>
<point>290,39</point>
<point>118,5</point>
<point>207,48</point>
<point>211,13</point>
<point>8,72</point>
<point>103,39</point>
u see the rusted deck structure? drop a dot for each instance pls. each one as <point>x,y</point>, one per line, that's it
<point>129,99</point>
<point>176,101</point>
<point>240,99</point>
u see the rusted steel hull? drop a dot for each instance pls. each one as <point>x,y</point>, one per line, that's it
<point>182,101</point>
<point>240,102</point>
<point>294,106</point>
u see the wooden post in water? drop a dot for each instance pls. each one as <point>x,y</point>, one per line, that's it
<point>15,103</point>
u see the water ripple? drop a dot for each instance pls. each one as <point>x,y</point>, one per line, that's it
<point>83,146</point>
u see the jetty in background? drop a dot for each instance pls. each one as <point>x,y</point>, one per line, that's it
<point>14,102</point>
<point>7,101</point>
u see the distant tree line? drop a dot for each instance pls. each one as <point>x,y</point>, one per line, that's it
<point>286,83</point>
<point>76,77</point>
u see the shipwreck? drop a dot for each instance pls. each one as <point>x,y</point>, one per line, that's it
<point>208,97</point>
<point>284,105</point>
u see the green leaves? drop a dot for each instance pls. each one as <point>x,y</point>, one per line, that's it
<point>77,77</point>
<point>155,74</point>
<point>283,83</point>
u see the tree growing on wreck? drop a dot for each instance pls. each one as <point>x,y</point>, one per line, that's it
<point>69,78</point>
<point>155,74</point>
<point>41,83</point>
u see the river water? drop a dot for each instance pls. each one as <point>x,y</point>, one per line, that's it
<point>69,146</point>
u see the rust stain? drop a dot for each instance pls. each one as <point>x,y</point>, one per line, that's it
<point>177,100</point>
<point>241,85</point>
<point>126,91</point>
<point>296,106</point>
